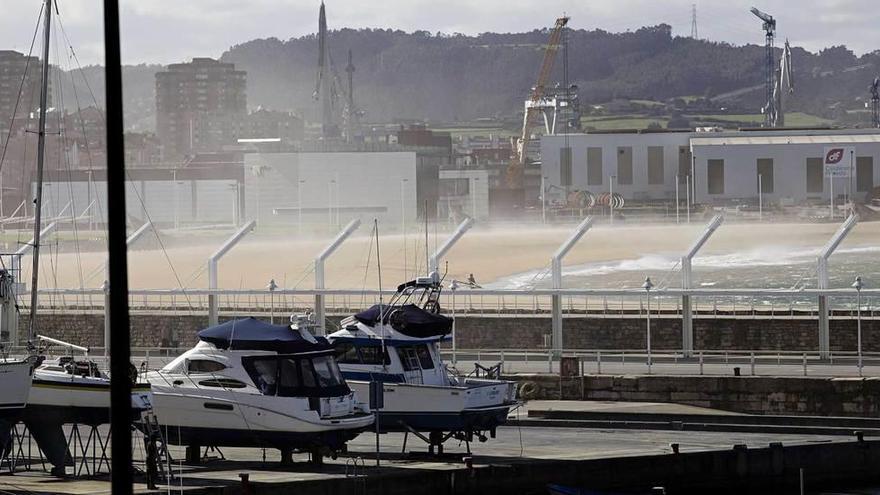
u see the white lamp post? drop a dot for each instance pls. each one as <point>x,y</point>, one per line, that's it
<point>453,288</point>
<point>611,198</point>
<point>272,286</point>
<point>760,198</point>
<point>299,200</point>
<point>648,285</point>
<point>857,285</point>
<point>543,200</point>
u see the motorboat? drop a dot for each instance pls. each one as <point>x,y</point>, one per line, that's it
<point>249,383</point>
<point>398,344</point>
<point>71,390</point>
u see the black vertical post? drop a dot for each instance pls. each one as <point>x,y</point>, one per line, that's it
<point>120,352</point>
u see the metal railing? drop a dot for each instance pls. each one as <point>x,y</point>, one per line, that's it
<point>763,303</point>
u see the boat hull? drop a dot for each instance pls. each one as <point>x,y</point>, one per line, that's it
<point>15,387</point>
<point>224,418</point>
<point>442,409</point>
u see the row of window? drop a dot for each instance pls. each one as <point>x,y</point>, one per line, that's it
<point>624,176</point>
<point>764,176</point>
<point>815,175</point>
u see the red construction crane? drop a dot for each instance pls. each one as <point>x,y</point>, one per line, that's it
<point>530,113</point>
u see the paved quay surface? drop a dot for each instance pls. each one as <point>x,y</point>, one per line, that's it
<point>512,445</point>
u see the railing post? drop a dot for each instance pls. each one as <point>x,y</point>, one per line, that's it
<point>556,268</point>
<point>687,316</point>
<point>213,303</point>
<point>822,271</point>
<point>320,299</point>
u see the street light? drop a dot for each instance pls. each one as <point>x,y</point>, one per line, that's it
<point>453,288</point>
<point>299,200</point>
<point>611,198</point>
<point>403,182</point>
<point>543,200</point>
<point>857,285</point>
<point>272,286</point>
<point>648,285</point>
<point>474,198</point>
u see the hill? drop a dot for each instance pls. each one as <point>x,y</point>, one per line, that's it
<point>459,78</point>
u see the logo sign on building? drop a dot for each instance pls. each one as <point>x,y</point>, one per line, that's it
<point>838,161</point>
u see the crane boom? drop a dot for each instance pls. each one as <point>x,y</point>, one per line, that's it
<point>530,114</point>
<point>767,18</point>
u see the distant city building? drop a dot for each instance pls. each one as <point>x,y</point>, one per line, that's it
<point>200,106</point>
<point>273,124</point>
<point>14,66</point>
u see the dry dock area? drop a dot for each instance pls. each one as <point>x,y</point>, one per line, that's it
<point>520,460</point>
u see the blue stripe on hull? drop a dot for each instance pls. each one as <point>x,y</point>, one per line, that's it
<point>479,420</point>
<point>366,376</point>
<point>186,435</point>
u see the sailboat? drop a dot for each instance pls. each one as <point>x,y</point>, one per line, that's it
<point>64,390</point>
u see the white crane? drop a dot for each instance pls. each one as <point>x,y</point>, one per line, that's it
<point>783,86</point>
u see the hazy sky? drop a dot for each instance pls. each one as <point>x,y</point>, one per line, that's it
<point>163,31</point>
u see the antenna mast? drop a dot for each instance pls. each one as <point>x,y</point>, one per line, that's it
<point>41,155</point>
<point>694,22</point>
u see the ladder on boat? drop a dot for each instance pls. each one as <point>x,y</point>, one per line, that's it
<point>154,439</point>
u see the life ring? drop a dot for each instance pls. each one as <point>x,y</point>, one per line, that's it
<point>528,390</point>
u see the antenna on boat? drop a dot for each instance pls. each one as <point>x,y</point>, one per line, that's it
<point>379,267</point>
<point>427,256</point>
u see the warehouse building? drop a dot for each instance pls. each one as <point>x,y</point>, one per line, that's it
<point>719,167</point>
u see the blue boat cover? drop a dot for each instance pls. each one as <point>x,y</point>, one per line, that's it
<point>253,334</point>
<point>408,319</point>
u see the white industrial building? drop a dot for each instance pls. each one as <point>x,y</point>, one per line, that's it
<point>318,189</point>
<point>721,167</point>
<point>463,193</point>
<point>310,191</point>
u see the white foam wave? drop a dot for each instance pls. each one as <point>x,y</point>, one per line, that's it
<point>769,256</point>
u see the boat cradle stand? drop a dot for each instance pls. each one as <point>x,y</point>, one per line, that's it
<point>436,438</point>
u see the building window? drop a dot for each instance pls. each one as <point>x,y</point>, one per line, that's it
<point>716,176</point>
<point>864,173</point>
<point>454,187</point>
<point>684,163</point>
<point>625,165</point>
<point>815,176</point>
<point>565,166</point>
<point>594,166</point>
<point>765,171</point>
<point>655,164</point>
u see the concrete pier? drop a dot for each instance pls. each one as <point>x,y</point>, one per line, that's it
<point>525,460</point>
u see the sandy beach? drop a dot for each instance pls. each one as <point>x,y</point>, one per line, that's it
<point>489,253</point>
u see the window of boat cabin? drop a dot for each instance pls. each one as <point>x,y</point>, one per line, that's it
<point>203,366</point>
<point>422,353</point>
<point>372,354</point>
<point>264,372</point>
<point>346,353</point>
<point>327,372</point>
<point>296,376</point>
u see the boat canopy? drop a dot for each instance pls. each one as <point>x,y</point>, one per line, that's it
<point>253,334</point>
<point>407,319</point>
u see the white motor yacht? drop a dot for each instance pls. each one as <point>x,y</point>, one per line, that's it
<point>398,344</point>
<point>249,383</point>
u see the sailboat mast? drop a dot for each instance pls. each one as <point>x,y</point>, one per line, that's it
<point>41,152</point>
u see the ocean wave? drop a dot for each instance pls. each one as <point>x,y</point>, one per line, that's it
<point>770,256</point>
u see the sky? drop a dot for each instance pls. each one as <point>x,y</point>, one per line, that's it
<point>167,31</point>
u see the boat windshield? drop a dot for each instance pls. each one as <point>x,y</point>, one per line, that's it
<point>296,376</point>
